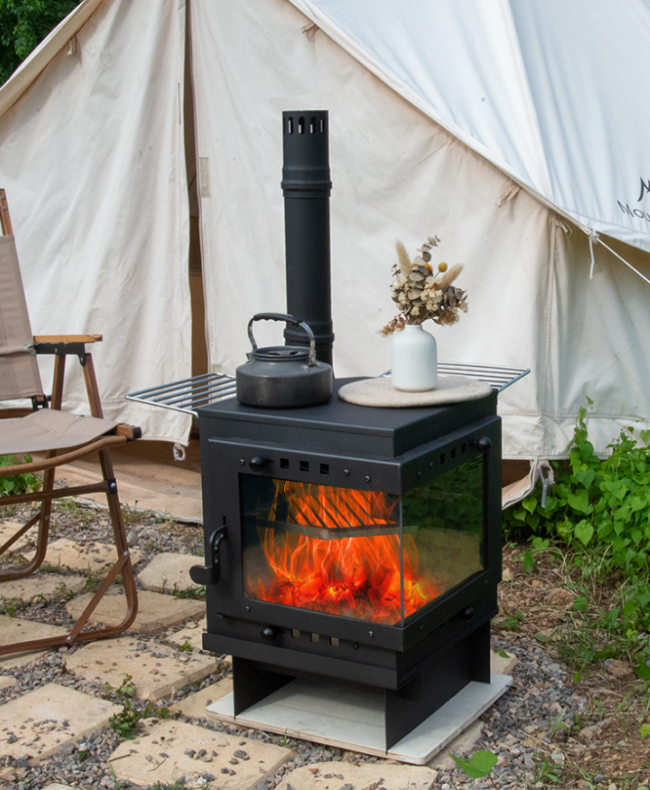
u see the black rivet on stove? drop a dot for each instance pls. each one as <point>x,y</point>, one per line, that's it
<point>485,582</point>
<point>355,647</point>
<point>247,608</point>
<point>367,478</point>
<point>421,628</point>
<point>419,474</point>
<point>483,444</point>
<point>346,472</point>
<point>371,633</point>
<point>242,462</point>
<point>430,464</point>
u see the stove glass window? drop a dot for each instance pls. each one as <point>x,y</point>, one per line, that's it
<point>443,526</point>
<point>368,555</point>
<point>325,548</point>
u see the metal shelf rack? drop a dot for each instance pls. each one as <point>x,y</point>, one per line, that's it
<point>188,395</point>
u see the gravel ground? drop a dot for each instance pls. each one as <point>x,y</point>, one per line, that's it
<point>524,727</point>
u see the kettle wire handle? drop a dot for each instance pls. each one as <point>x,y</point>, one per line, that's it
<point>289,319</point>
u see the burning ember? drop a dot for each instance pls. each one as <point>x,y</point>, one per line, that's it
<point>358,576</point>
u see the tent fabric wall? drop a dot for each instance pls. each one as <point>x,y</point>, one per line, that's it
<point>92,158</point>
<point>397,174</point>
<point>549,90</point>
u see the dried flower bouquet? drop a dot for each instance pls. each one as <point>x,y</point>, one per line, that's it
<point>421,293</point>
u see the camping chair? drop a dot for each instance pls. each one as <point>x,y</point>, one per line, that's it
<point>49,430</point>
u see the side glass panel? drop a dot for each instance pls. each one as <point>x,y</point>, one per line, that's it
<point>443,522</point>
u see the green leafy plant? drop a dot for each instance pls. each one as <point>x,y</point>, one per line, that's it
<point>594,501</point>
<point>513,622</point>
<point>23,24</point>
<point>126,721</point>
<point>17,484</point>
<point>11,605</point>
<point>479,765</point>
<point>195,593</point>
<point>545,770</point>
<point>127,689</point>
<point>600,509</point>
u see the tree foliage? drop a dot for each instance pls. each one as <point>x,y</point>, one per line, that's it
<point>23,25</point>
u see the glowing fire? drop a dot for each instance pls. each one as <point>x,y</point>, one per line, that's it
<point>356,577</point>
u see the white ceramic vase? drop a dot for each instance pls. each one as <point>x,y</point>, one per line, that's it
<point>415,359</point>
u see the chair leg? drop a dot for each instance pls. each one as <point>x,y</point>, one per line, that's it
<point>43,518</point>
<point>123,566</point>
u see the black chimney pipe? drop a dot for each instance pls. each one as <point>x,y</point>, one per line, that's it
<point>306,186</point>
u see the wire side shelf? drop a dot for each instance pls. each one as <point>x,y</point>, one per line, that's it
<point>188,395</point>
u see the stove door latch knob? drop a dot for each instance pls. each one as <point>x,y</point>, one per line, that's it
<point>483,444</point>
<point>210,574</point>
<point>269,633</point>
<point>257,463</point>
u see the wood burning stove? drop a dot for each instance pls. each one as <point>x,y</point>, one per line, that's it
<point>354,543</point>
<point>360,544</point>
<point>358,547</point>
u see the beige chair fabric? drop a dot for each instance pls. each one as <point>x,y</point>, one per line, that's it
<point>19,376</point>
<point>49,429</point>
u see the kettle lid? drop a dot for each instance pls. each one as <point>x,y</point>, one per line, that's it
<point>281,354</point>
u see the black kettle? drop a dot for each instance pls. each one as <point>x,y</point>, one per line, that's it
<point>283,376</point>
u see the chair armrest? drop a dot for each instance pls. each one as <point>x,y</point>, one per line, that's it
<point>130,431</point>
<point>68,338</point>
<point>64,344</point>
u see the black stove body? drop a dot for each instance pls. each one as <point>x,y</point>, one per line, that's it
<point>362,544</point>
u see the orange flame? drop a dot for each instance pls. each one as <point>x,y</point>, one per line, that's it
<point>356,577</point>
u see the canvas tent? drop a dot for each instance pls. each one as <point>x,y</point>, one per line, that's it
<point>513,130</point>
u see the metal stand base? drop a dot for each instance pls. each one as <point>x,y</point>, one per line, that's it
<point>349,716</point>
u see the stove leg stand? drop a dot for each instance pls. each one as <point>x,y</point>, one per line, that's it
<point>440,678</point>
<point>252,683</point>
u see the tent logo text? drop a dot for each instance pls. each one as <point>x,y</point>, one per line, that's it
<point>637,212</point>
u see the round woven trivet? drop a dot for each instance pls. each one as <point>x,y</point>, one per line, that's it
<point>380,392</point>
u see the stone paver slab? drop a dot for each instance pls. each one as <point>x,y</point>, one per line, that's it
<point>157,671</point>
<point>26,544</point>
<point>194,706</point>
<point>165,751</point>
<point>156,612</point>
<point>93,558</point>
<point>502,665</point>
<point>7,682</point>
<point>169,572</point>
<point>192,635</point>
<point>335,775</point>
<point>45,585</point>
<point>462,745</point>
<point>41,722</point>
<point>13,629</point>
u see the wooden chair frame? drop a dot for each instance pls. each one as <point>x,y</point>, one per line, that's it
<point>62,347</point>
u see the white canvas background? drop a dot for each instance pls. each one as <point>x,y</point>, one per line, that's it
<point>92,159</point>
<point>436,117</point>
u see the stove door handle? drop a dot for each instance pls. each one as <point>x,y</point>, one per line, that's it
<point>210,574</point>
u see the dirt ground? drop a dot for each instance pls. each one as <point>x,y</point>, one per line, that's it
<point>604,745</point>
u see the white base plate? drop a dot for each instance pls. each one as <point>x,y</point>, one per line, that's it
<point>349,716</point>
